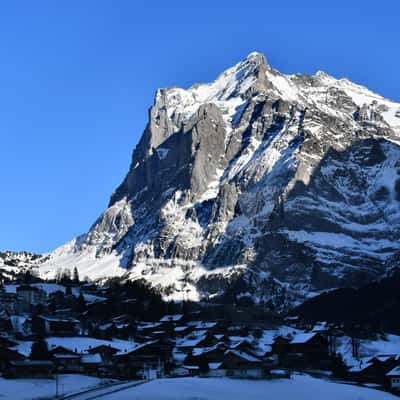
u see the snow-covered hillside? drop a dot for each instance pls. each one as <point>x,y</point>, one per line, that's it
<point>290,183</point>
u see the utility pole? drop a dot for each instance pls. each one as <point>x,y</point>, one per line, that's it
<point>57,383</point>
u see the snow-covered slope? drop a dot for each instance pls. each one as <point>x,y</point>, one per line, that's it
<point>287,183</point>
<point>12,263</point>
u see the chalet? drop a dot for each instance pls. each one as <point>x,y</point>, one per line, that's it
<point>182,331</point>
<point>106,352</point>
<point>374,369</point>
<point>304,350</point>
<point>321,327</point>
<point>28,369</point>
<point>145,360</point>
<point>91,363</point>
<point>215,369</point>
<point>243,345</point>
<point>200,356</point>
<point>222,338</point>
<point>238,364</point>
<point>212,327</point>
<point>160,334</point>
<point>7,355</point>
<point>394,378</point>
<point>310,343</point>
<point>60,350</point>
<point>107,331</point>
<point>21,326</point>
<point>67,363</point>
<point>192,341</point>
<point>264,350</point>
<point>182,371</point>
<point>169,322</point>
<point>63,313</point>
<point>114,329</point>
<point>193,370</point>
<point>174,318</point>
<point>280,345</point>
<point>148,327</point>
<point>56,326</point>
<point>8,301</point>
<point>31,295</point>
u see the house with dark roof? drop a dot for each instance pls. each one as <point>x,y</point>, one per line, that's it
<point>304,350</point>
<point>105,351</point>
<point>394,378</point>
<point>29,369</point>
<point>239,364</point>
<point>67,363</point>
<point>7,355</point>
<point>54,326</point>
<point>374,369</point>
<point>91,363</point>
<point>28,296</point>
<point>150,359</point>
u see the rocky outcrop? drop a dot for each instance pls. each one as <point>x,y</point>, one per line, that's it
<point>257,175</point>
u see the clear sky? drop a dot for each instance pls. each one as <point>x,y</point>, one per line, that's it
<point>77,78</point>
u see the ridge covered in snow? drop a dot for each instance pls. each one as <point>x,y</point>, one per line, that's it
<point>288,184</point>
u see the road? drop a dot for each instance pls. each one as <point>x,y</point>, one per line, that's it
<point>97,393</point>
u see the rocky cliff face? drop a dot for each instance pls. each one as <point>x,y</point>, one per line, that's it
<point>286,184</point>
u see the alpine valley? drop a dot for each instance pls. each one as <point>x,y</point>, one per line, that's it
<point>262,184</point>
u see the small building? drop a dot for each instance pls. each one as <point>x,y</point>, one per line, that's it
<point>201,356</point>
<point>31,295</point>
<point>374,369</point>
<point>310,343</point>
<point>394,378</point>
<point>21,326</point>
<point>304,350</point>
<point>173,318</point>
<point>91,363</point>
<point>243,345</point>
<point>29,369</point>
<point>67,363</point>
<point>182,330</point>
<point>190,342</point>
<point>148,327</point>
<point>60,350</point>
<point>280,345</point>
<point>169,322</point>
<point>181,371</point>
<point>8,301</point>
<point>7,355</point>
<point>145,360</point>
<point>53,326</point>
<point>106,331</point>
<point>238,364</point>
<point>106,352</point>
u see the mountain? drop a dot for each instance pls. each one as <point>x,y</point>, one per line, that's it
<point>276,185</point>
<point>12,263</point>
<point>373,305</point>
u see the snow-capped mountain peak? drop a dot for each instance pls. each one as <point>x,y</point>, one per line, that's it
<point>286,183</point>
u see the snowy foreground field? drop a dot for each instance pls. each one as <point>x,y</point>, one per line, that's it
<point>299,387</point>
<point>29,389</point>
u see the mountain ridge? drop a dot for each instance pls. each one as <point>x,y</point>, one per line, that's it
<point>287,183</point>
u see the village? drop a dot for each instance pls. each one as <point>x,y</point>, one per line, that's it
<point>124,331</point>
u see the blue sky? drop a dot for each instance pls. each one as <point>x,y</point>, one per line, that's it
<point>77,78</point>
